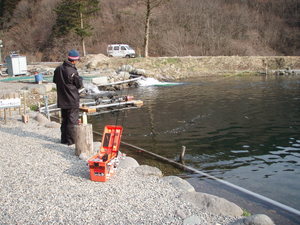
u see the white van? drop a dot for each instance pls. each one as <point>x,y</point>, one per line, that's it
<point>120,50</point>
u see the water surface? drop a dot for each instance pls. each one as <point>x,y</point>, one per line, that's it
<point>245,130</point>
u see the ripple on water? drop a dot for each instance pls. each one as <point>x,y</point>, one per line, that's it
<point>239,151</point>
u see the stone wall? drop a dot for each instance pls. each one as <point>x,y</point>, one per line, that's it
<point>188,67</point>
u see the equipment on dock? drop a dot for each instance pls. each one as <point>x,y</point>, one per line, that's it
<point>95,104</point>
<point>103,165</point>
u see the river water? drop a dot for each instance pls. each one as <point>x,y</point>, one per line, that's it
<point>245,130</point>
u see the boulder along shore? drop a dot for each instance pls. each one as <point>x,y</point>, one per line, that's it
<point>175,68</point>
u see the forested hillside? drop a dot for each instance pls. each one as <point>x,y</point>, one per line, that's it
<point>177,27</point>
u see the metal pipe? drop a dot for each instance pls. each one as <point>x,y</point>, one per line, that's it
<point>111,111</point>
<point>49,106</point>
<point>246,191</point>
<point>46,107</point>
<point>120,82</point>
<point>114,104</point>
<point>48,110</point>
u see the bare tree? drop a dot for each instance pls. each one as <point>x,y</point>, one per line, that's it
<point>150,5</point>
<point>193,27</point>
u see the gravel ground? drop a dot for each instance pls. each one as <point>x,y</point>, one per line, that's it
<point>43,182</point>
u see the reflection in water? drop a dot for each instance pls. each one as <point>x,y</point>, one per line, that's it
<point>243,130</point>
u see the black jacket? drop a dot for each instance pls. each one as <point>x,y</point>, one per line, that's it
<point>67,83</point>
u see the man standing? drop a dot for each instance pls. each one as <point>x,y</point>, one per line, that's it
<point>68,82</point>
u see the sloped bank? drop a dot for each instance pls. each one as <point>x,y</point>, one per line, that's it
<point>172,68</point>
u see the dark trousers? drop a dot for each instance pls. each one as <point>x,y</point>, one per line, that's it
<point>69,120</point>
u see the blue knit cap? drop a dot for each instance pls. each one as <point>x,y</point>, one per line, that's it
<point>73,55</point>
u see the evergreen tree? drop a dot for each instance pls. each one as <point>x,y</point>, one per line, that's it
<point>72,16</point>
<point>7,8</point>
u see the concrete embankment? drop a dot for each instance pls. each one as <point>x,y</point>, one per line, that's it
<point>175,68</point>
<point>192,67</point>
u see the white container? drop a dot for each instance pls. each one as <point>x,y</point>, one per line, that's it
<point>16,65</point>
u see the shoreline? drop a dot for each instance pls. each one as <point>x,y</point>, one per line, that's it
<point>42,181</point>
<point>177,68</point>
<point>37,130</point>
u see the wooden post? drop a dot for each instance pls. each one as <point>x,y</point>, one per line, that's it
<point>25,118</point>
<point>24,96</point>
<point>84,139</point>
<point>20,107</point>
<point>9,96</point>
<point>181,158</point>
<point>5,119</point>
<point>59,116</point>
<point>47,107</point>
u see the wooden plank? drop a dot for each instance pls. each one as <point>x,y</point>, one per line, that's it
<point>87,109</point>
<point>138,103</point>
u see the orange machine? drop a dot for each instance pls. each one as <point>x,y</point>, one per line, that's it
<point>104,164</point>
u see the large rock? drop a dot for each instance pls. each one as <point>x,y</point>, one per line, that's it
<point>32,114</point>
<point>100,80</point>
<point>127,68</point>
<point>92,61</point>
<point>123,75</point>
<point>41,119</point>
<point>148,171</point>
<point>52,124</point>
<point>192,220</point>
<point>42,89</point>
<point>141,72</point>
<point>179,183</point>
<point>212,204</point>
<point>128,162</point>
<point>48,87</point>
<point>258,219</point>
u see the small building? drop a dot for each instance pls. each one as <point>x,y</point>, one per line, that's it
<point>16,64</point>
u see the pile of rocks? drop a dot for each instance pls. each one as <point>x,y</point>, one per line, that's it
<point>123,73</point>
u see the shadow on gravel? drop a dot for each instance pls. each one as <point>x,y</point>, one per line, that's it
<point>21,133</point>
<point>78,168</point>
